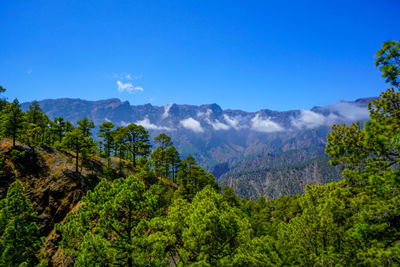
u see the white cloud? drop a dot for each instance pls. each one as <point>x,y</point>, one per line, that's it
<point>310,119</point>
<point>126,76</point>
<point>124,123</point>
<point>350,112</point>
<point>150,126</point>
<point>264,125</point>
<point>192,124</point>
<point>234,122</point>
<point>166,111</point>
<point>128,87</point>
<point>206,114</point>
<point>107,120</point>
<point>339,113</point>
<point>217,125</point>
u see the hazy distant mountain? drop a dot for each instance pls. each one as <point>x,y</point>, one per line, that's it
<point>238,147</point>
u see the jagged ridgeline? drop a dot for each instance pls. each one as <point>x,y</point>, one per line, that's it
<point>67,199</point>
<point>229,143</point>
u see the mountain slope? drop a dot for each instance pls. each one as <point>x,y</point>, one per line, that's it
<point>227,138</point>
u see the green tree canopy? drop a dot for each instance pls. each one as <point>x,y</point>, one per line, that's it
<point>206,232</point>
<point>19,234</point>
<point>111,227</point>
<point>137,141</point>
<point>12,120</point>
<point>105,131</point>
<point>160,154</point>
<point>370,160</point>
<point>78,143</point>
<point>388,61</point>
<point>85,125</point>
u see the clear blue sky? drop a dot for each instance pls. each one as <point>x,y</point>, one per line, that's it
<point>240,54</point>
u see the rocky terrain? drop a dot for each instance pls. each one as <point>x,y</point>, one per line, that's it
<point>51,184</point>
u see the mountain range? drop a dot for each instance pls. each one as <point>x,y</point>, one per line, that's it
<point>264,153</point>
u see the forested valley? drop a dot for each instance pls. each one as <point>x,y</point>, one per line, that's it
<point>144,205</point>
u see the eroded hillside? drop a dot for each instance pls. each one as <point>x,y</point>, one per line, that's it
<point>50,181</point>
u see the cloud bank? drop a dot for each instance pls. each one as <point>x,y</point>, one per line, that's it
<point>233,122</point>
<point>342,112</point>
<point>151,126</point>
<point>217,125</point>
<point>349,112</point>
<point>192,124</point>
<point>265,125</point>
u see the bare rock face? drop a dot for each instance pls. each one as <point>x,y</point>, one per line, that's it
<point>50,182</point>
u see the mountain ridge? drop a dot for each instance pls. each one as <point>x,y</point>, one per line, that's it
<point>229,137</point>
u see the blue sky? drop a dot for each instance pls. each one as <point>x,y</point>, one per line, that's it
<point>245,55</point>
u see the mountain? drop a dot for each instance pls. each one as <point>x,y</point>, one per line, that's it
<point>257,153</point>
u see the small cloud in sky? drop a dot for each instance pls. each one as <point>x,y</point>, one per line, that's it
<point>265,125</point>
<point>128,87</point>
<point>125,76</point>
<point>29,72</point>
<point>192,124</point>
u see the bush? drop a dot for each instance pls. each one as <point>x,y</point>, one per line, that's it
<point>17,155</point>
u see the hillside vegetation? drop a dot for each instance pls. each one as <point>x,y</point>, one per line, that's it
<point>126,204</point>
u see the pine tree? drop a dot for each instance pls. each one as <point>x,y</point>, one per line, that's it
<point>137,141</point>
<point>111,227</point>
<point>85,125</point>
<point>19,234</point>
<point>106,132</point>
<point>174,161</point>
<point>36,125</point>
<point>388,61</point>
<point>78,143</point>
<point>370,157</point>
<point>160,154</point>
<point>12,120</point>
<point>206,232</point>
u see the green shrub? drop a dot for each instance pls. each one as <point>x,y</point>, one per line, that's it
<point>17,155</point>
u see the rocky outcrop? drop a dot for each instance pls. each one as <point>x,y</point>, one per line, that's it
<point>50,182</point>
